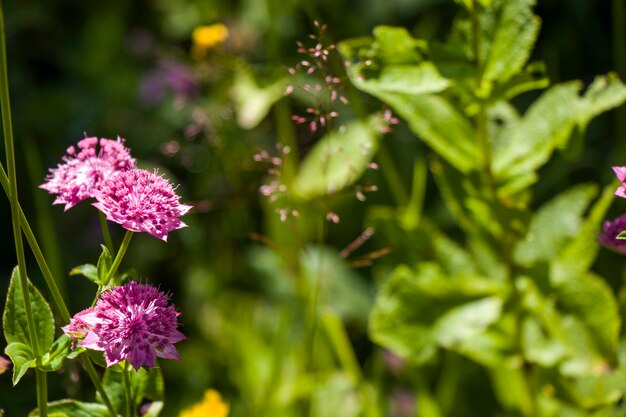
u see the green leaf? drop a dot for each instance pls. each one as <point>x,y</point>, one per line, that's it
<point>104,265</point>
<point>511,388</point>
<point>554,225</point>
<point>14,318</point>
<point>517,29</point>
<point>338,159</point>
<point>88,270</point>
<point>604,93</point>
<point>22,357</point>
<point>53,360</point>
<point>423,78</point>
<point>253,102</point>
<point>462,323</point>
<point>580,252</point>
<point>73,408</point>
<point>546,125</point>
<point>416,311</point>
<point>440,125</point>
<point>395,45</point>
<point>590,299</point>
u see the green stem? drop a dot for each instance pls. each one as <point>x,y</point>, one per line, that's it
<point>105,231</point>
<point>93,375</point>
<point>42,391</point>
<point>5,103</point>
<point>52,287</point>
<point>118,257</point>
<point>39,257</point>
<point>341,343</point>
<point>130,406</point>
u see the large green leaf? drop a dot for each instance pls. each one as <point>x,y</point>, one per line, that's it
<point>73,408</point>
<point>579,252</point>
<point>22,357</point>
<point>440,125</point>
<point>338,159</point>
<point>423,78</point>
<point>554,225</point>
<point>590,299</point>
<point>418,311</point>
<point>515,35</point>
<point>548,125</point>
<point>14,321</point>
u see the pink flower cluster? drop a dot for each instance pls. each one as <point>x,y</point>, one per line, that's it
<point>141,201</point>
<point>132,322</point>
<point>82,172</point>
<point>614,227</point>
<point>138,200</point>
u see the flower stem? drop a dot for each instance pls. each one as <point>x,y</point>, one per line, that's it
<point>105,232</point>
<point>130,406</point>
<point>42,391</point>
<point>93,375</point>
<point>5,104</point>
<point>57,298</point>
<point>118,257</point>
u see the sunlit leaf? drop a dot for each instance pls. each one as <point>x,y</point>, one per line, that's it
<point>338,159</point>
<point>14,322</point>
<point>22,357</point>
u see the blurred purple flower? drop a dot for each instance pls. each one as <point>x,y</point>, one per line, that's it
<point>167,76</point>
<point>403,403</point>
<point>82,173</point>
<point>611,230</point>
<point>4,364</point>
<point>132,322</point>
<point>141,201</point>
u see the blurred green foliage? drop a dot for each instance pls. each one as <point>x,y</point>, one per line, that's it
<point>277,312</point>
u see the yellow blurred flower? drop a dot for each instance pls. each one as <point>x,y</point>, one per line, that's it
<point>211,405</point>
<point>207,37</point>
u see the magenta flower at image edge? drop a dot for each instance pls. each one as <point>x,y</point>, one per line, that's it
<point>81,172</point>
<point>613,228</point>
<point>141,201</point>
<point>4,364</point>
<point>131,322</point>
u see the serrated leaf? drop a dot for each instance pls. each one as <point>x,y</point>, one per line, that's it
<point>590,299</point>
<point>546,125</point>
<point>604,93</point>
<point>104,265</point>
<point>515,35</point>
<point>423,78</point>
<point>580,252</point>
<point>73,408</point>
<point>338,159</point>
<point>554,225</point>
<point>88,270</point>
<point>14,321</point>
<point>409,314</point>
<point>22,357</point>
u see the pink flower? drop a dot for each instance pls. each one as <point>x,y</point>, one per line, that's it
<point>620,172</point>
<point>141,202</point>
<point>4,364</point>
<point>611,230</point>
<point>82,173</point>
<point>132,322</point>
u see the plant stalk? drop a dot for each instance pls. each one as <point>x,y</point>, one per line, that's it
<point>118,257</point>
<point>5,104</point>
